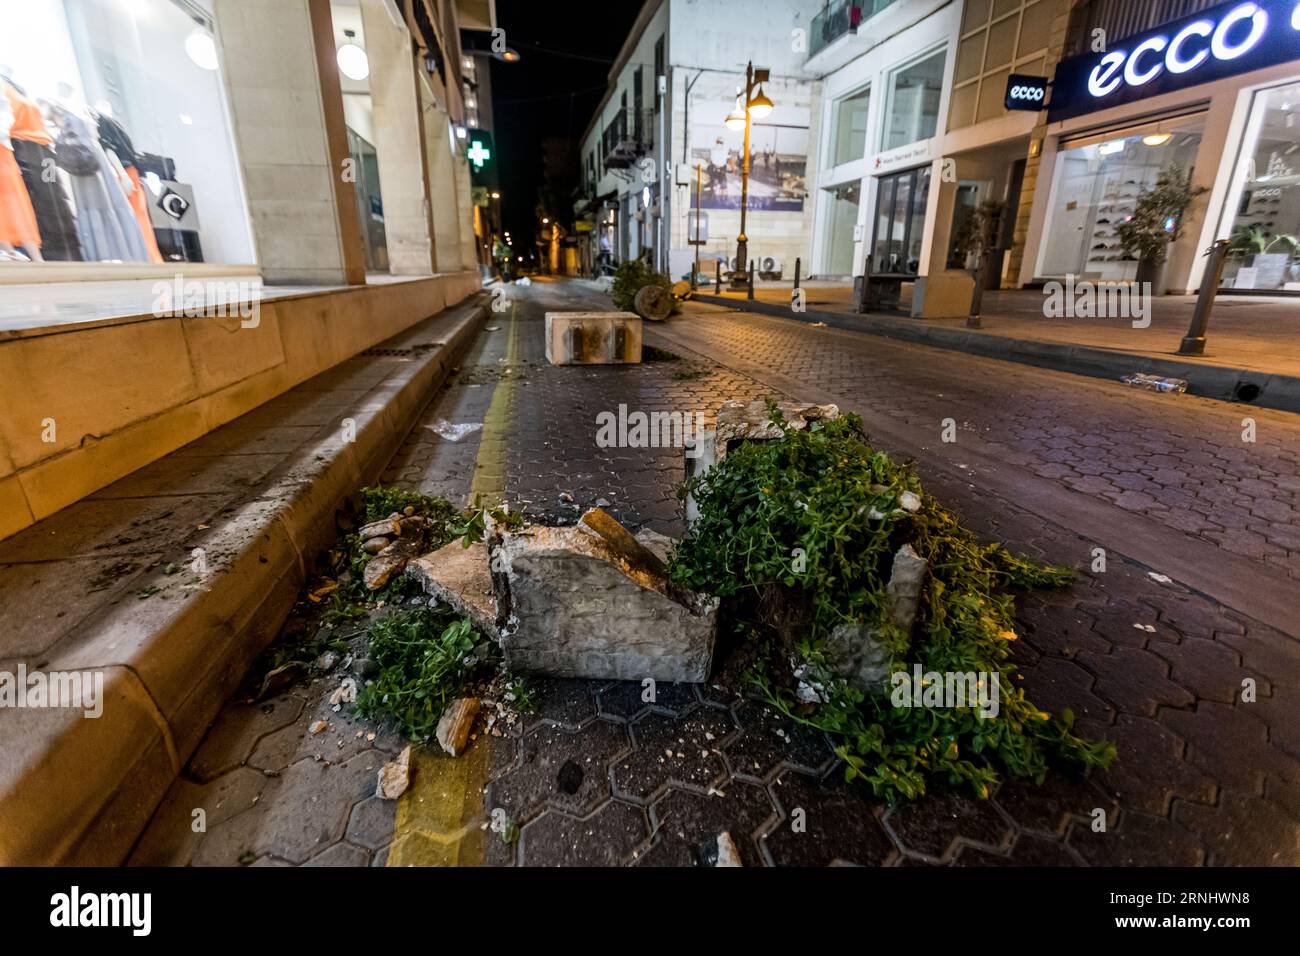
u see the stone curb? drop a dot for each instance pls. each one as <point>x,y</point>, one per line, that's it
<point>1221,382</point>
<point>83,790</point>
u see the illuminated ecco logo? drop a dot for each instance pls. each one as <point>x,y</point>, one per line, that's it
<point>1235,35</point>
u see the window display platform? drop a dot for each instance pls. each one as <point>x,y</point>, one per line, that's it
<point>39,305</point>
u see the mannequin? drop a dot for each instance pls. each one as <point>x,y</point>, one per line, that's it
<point>17,218</point>
<point>106,224</point>
<point>121,154</point>
<point>33,147</point>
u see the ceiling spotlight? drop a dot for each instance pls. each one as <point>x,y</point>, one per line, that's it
<point>1157,139</point>
<point>353,61</point>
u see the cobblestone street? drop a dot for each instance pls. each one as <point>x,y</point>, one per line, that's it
<point>1201,533</point>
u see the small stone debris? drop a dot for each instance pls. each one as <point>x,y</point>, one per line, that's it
<point>391,561</point>
<point>280,678</point>
<point>455,724</point>
<point>318,726</point>
<point>374,545</point>
<point>907,575</point>
<point>326,662</point>
<point>1159,578</point>
<point>395,776</point>
<point>728,855</point>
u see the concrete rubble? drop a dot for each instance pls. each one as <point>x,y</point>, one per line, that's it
<point>591,600</point>
<point>855,651</point>
<point>455,724</point>
<point>461,578</point>
<point>395,542</point>
<point>394,776</point>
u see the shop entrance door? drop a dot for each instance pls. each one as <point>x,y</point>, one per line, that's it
<point>900,222</point>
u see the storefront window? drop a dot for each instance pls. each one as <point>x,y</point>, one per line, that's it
<point>900,222</point>
<point>849,127</point>
<point>1265,231</point>
<point>842,218</point>
<point>1097,186</point>
<point>914,92</point>
<point>114,141</point>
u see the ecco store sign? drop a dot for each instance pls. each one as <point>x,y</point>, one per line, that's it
<point>1223,41</point>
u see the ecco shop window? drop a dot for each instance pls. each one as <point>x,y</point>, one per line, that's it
<point>114,140</point>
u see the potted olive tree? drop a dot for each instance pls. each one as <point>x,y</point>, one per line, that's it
<point>1157,221</point>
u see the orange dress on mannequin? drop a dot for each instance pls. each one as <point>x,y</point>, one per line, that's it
<point>17,218</point>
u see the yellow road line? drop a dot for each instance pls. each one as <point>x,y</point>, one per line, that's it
<point>489,480</point>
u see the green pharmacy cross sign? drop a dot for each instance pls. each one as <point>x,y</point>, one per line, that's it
<point>482,157</point>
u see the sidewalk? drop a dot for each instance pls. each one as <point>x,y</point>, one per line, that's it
<point>171,580</point>
<point>1250,338</point>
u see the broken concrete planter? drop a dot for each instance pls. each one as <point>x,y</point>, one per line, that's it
<point>591,601</point>
<point>740,421</point>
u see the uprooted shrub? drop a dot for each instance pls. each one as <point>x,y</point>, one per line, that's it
<point>797,535</point>
<point>630,278</point>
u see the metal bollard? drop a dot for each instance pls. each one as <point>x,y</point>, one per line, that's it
<point>717,277</point>
<point>749,286</point>
<point>1193,342</point>
<point>797,264</point>
<point>977,296</point>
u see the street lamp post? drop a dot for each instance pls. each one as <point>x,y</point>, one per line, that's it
<point>755,106</point>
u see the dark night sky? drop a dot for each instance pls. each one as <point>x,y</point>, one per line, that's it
<point>531,98</point>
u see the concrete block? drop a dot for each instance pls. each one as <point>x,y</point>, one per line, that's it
<point>943,295</point>
<point>593,338</point>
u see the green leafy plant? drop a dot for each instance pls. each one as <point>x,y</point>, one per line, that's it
<point>425,657</point>
<point>630,278</point>
<point>1143,235</point>
<point>1255,240</point>
<point>797,535</point>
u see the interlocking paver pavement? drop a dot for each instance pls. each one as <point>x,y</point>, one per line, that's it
<point>1203,776</point>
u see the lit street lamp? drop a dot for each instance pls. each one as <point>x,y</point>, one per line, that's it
<point>757,106</point>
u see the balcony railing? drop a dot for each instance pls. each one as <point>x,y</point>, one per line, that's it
<point>840,18</point>
<point>1121,19</point>
<point>623,146</point>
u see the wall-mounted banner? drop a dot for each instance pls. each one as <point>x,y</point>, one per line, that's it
<point>1223,41</point>
<point>1026,92</point>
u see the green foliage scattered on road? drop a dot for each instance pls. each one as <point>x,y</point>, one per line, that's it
<point>797,535</point>
<point>425,657</point>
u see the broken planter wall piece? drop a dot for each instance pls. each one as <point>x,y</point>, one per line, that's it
<point>591,601</point>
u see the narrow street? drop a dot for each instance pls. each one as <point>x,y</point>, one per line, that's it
<point>1200,535</point>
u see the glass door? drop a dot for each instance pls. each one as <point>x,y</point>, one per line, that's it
<point>900,222</point>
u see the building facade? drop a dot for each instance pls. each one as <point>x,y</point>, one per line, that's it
<point>1212,88</point>
<point>304,141</point>
<point>892,123</point>
<point>657,142</point>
